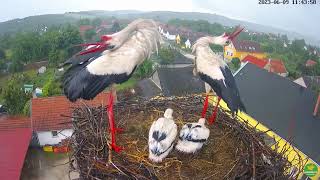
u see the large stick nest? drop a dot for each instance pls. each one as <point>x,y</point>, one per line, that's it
<point>235,149</point>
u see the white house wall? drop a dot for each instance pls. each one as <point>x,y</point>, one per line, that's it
<point>45,137</point>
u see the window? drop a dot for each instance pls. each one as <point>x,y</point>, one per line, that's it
<point>54,133</point>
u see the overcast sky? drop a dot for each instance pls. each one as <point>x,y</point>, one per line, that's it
<point>299,18</point>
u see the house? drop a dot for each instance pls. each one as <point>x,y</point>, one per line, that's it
<point>240,49</point>
<point>178,39</point>
<point>311,82</point>
<point>187,44</point>
<point>276,66</point>
<point>170,36</point>
<point>51,117</point>
<point>281,105</point>
<point>15,136</point>
<point>261,63</point>
<point>272,65</point>
<point>310,63</point>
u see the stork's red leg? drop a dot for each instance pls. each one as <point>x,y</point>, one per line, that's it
<point>215,111</point>
<point>112,124</point>
<point>205,107</point>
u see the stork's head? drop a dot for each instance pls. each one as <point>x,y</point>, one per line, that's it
<point>226,38</point>
<point>108,40</point>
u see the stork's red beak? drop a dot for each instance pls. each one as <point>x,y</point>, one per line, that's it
<point>235,33</point>
<point>105,38</point>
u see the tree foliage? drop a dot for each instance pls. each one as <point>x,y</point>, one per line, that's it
<point>96,22</point>
<point>32,46</point>
<point>145,69</point>
<point>166,55</point>
<point>51,88</point>
<point>235,63</point>
<point>89,34</point>
<point>14,96</point>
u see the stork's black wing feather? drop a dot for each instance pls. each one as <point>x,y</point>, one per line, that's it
<point>226,89</point>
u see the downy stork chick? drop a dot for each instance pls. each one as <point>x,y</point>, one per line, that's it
<point>193,136</point>
<point>111,61</point>
<point>161,137</point>
<point>214,71</point>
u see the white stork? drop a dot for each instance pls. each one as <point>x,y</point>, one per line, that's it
<point>193,136</point>
<point>161,136</point>
<point>213,70</point>
<point>111,61</point>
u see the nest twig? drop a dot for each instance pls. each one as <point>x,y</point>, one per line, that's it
<point>235,149</point>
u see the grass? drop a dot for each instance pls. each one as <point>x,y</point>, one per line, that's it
<point>126,85</point>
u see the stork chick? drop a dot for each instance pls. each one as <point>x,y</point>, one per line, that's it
<point>161,136</point>
<point>193,136</point>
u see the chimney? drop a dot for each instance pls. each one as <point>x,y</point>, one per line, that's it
<point>316,108</point>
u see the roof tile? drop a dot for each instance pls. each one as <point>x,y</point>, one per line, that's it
<point>47,113</point>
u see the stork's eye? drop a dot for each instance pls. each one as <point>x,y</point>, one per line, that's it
<point>227,42</point>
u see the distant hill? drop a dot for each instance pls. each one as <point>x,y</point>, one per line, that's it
<point>36,22</point>
<point>33,23</point>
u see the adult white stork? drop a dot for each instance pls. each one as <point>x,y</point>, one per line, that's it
<point>111,61</point>
<point>214,71</point>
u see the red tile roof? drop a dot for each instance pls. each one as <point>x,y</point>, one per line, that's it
<point>13,148</point>
<point>15,136</point>
<point>14,122</point>
<point>277,66</point>
<point>247,46</point>
<point>46,112</point>
<point>256,61</point>
<point>310,63</point>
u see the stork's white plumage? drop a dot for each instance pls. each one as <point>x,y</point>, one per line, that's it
<point>114,61</point>
<point>161,137</point>
<point>214,71</point>
<point>192,136</point>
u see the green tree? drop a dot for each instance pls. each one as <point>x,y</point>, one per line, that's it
<point>145,69</point>
<point>84,21</point>
<point>52,87</point>
<point>96,22</point>
<point>166,55</point>
<point>15,66</point>
<point>2,54</point>
<point>89,34</point>
<point>236,63</point>
<point>14,96</point>
<point>57,56</point>
<point>26,47</point>
<point>115,26</point>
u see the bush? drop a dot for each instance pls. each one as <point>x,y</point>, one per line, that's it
<point>145,69</point>
<point>236,63</point>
